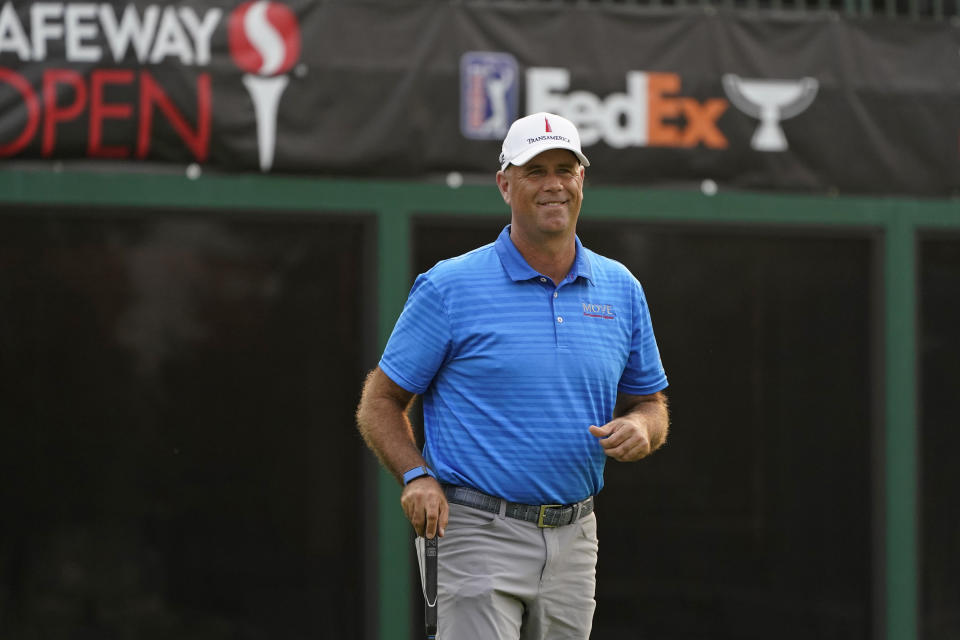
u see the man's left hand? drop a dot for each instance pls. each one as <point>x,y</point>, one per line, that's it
<point>624,439</point>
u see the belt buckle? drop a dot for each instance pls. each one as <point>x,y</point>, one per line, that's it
<point>543,510</point>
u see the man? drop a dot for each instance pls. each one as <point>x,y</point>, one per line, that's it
<point>536,361</point>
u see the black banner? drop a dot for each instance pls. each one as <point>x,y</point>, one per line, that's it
<point>799,103</point>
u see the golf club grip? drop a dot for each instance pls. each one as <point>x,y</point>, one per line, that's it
<point>430,588</point>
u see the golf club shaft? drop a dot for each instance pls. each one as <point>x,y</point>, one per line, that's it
<point>430,586</point>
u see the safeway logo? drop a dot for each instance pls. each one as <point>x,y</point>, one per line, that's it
<point>651,113</point>
<point>110,98</point>
<point>264,42</point>
<point>158,33</point>
<point>100,40</point>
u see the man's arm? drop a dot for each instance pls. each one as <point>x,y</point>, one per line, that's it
<point>639,427</point>
<point>385,427</point>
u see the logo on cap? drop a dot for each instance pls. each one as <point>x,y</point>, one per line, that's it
<point>527,137</point>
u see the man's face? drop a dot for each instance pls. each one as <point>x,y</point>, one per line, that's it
<point>544,194</point>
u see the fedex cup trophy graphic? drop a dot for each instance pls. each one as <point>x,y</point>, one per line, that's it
<point>772,101</point>
<point>265,43</point>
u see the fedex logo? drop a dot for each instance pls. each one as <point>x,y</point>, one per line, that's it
<point>651,113</point>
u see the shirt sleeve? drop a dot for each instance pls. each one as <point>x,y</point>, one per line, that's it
<point>644,373</point>
<point>421,338</point>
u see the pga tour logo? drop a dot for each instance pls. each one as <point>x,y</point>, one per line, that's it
<point>489,90</point>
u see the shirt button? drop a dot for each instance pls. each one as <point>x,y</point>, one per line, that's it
<point>560,319</point>
<point>543,279</point>
<point>555,294</point>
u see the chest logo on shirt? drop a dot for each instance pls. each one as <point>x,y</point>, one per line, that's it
<point>604,311</point>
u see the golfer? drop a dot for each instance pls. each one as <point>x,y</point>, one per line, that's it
<point>536,361</point>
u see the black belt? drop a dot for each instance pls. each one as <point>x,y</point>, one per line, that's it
<point>545,515</point>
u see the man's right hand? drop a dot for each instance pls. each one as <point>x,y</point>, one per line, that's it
<point>425,506</point>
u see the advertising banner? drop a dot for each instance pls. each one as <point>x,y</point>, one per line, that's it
<point>805,103</point>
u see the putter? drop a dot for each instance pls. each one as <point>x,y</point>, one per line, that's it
<point>430,586</point>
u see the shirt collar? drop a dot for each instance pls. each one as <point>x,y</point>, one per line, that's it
<point>518,269</point>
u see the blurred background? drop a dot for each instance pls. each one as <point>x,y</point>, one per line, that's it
<point>211,213</point>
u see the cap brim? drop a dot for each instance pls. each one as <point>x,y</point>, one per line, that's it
<point>535,150</point>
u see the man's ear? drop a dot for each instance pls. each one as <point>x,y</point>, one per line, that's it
<point>504,185</point>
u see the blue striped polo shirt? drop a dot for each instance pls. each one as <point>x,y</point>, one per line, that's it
<point>513,370</point>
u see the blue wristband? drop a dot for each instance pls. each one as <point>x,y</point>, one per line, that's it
<point>417,472</point>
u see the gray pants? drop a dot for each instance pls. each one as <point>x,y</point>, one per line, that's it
<point>505,579</point>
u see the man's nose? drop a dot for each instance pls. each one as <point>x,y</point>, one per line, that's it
<point>552,182</point>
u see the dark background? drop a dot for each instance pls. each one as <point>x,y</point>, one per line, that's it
<point>176,409</point>
<point>755,520</point>
<point>179,460</point>
<point>940,436</point>
<point>376,92</point>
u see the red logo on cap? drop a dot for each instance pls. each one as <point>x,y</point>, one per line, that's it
<point>549,130</point>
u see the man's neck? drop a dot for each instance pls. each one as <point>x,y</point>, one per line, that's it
<point>551,256</point>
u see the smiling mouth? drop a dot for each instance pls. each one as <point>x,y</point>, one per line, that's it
<point>553,203</point>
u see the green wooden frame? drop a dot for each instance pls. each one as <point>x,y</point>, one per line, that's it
<point>395,203</point>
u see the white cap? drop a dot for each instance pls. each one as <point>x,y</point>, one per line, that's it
<point>537,133</point>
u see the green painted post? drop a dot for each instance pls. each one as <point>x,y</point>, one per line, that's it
<point>394,534</point>
<point>901,430</point>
